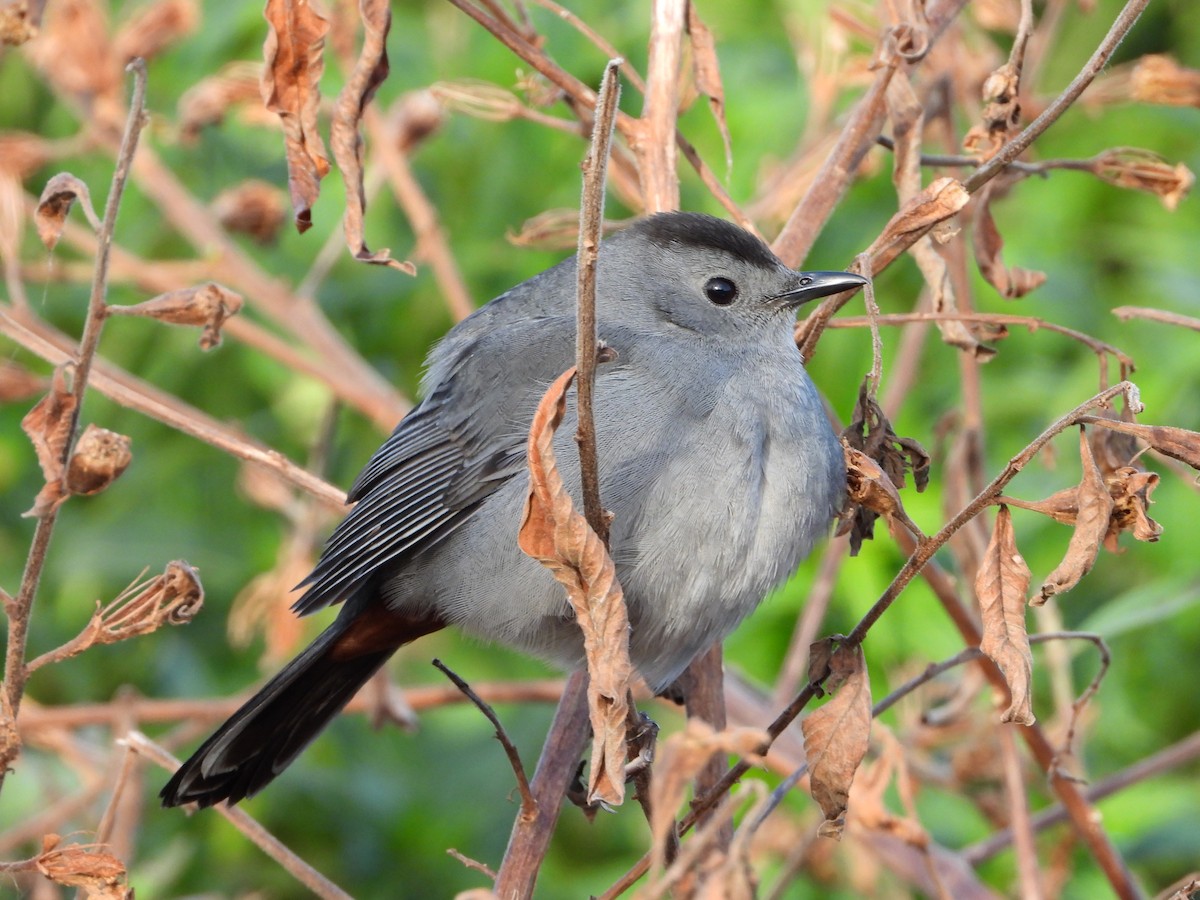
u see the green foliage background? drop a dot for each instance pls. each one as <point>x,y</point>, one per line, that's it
<point>376,811</point>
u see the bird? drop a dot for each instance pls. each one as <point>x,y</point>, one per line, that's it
<point>717,462</point>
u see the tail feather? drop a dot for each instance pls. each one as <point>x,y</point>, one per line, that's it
<point>272,727</point>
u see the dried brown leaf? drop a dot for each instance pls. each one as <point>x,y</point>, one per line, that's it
<point>345,139</point>
<point>416,116</point>
<point>1001,586</point>
<point>836,735</point>
<point>206,305</point>
<point>707,73</point>
<point>1130,488</point>
<point>294,54</point>
<point>153,28</point>
<point>207,102</point>
<point>1177,443</point>
<point>1144,170</point>
<point>75,55</point>
<point>1095,508</point>
<point>1159,79</point>
<point>22,153</point>
<point>867,795</point>
<point>678,761</point>
<point>48,426</point>
<point>988,245</point>
<point>253,207</point>
<point>263,608</point>
<point>87,866</point>
<point>556,535</point>
<point>58,196</point>
<point>99,458</point>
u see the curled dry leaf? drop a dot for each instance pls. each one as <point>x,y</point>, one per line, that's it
<point>1130,488</point>
<point>1094,507</point>
<point>207,102</point>
<point>558,537</point>
<point>172,598</point>
<point>207,305</point>
<point>153,28</point>
<point>48,426</point>
<point>99,458</point>
<point>1001,112</point>
<point>707,74</point>
<point>988,245</point>
<point>1159,79</point>
<point>414,117</point>
<point>679,759</point>
<point>871,433</point>
<point>253,207</point>
<point>294,54</point>
<point>1001,586</point>
<point>58,196</point>
<point>867,795</point>
<point>369,72</point>
<point>836,735</point>
<point>1177,443</point>
<point>1143,170</point>
<point>88,866</point>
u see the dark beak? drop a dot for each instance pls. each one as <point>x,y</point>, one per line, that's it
<point>815,285</point>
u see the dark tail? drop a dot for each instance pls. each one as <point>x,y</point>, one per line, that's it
<point>269,731</point>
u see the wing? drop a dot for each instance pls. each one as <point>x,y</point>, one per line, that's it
<point>456,448</point>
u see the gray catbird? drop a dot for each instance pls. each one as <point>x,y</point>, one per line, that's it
<point>716,458</point>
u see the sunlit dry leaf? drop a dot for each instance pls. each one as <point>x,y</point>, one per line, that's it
<point>558,537</point>
<point>1095,507</point>
<point>988,244</point>
<point>868,806</point>
<point>1159,79</point>
<point>679,759</point>
<point>18,383</point>
<point>1001,586</point>
<point>1143,170</point>
<point>206,305</point>
<point>99,458</point>
<point>707,73</point>
<point>294,54</point>
<point>345,139</point>
<point>48,426</point>
<point>87,866</point>
<point>207,102</point>
<point>1131,488</point>
<point>58,196</point>
<point>153,28</point>
<point>252,207</point>
<point>836,735</point>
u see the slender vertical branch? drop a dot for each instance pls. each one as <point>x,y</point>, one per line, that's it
<point>15,671</point>
<point>655,145</point>
<point>591,224</point>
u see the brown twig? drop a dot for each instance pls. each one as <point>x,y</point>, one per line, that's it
<point>1125,313</point>
<point>528,804</point>
<point>591,229</point>
<point>1018,810</point>
<point>530,838</point>
<point>655,143</point>
<point>297,867</point>
<point>15,671</point>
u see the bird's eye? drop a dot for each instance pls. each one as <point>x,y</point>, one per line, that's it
<point>720,291</point>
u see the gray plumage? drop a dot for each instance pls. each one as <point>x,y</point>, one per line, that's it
<point>716,458</point>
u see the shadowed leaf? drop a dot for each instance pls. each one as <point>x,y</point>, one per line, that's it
<point>58,196</point>
<point>707,73</point>
<point>988,244</point>
<point>48,426</point>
